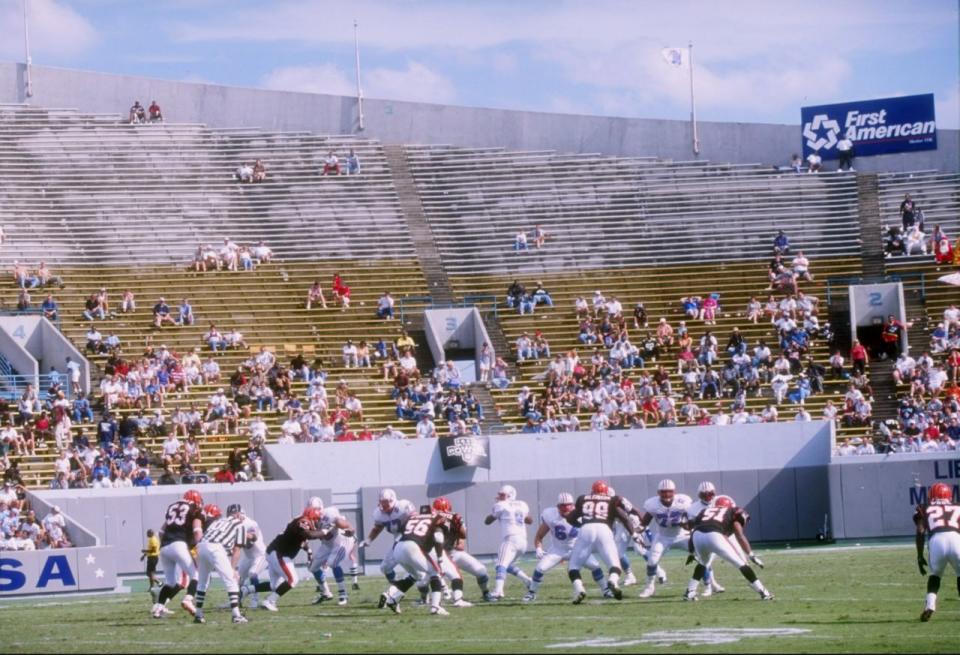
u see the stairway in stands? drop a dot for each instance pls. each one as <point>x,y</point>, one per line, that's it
<point>434,272</point>
<point>868,202</point>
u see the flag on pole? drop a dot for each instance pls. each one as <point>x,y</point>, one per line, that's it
<point>676,56</point>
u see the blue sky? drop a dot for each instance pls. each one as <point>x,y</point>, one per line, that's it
<point>754,60</point>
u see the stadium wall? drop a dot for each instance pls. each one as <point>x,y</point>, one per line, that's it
<point>394,121</point>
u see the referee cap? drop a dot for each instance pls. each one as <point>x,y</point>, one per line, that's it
<point>234,508</point>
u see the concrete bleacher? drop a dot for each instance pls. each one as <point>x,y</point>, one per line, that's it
<point>936,193</point>
<point>606,212</point>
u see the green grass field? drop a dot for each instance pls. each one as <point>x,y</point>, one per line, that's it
<point>827,600</point>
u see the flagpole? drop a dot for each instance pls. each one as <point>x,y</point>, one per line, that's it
<point>693,104</point>
<point>26,44</point>
<point>356,48</point>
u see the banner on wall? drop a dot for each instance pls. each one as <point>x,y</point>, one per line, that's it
<point>876,127</point>
<point>56,571</point>
<point>464,451</point>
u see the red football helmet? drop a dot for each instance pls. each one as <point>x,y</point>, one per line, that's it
<point>312,514</point>
<point>941,491</point>
<point>442,504</point>
<point>193,496</point>
<point>600,487</point>
<point>725,501</point>
<point>212,511</point>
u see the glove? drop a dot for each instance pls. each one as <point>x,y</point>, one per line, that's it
<point>756,560</point>
<point>690,560</point>
<point>363,544</point>
<point>922,564</point>
<point>540,552</point>
<point>640,538</point>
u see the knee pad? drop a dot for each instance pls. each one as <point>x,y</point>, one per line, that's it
<point>597,574</point>
<point>537,575</point>
<point>338,573</point>
<point>651,569</point>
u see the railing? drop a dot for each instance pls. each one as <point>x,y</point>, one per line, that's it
<point>13,385</point>
<point>911,280</point>
<point>409,302</point>
<point>483,301</point>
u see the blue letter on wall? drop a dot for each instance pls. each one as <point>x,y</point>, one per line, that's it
<point>56,568</point>
<point>10,578</point>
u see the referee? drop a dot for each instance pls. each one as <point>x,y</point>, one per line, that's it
<point>225,535</point>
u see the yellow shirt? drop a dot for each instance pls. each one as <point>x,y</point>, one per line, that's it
<point>406,342</point>
<point>153,546</point>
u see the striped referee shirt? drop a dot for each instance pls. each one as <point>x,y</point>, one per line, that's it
<point>226,531</point>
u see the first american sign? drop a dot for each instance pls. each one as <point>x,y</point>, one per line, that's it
<point>876,127</point>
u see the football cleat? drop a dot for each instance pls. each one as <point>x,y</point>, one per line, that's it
<point>447,594</point>
<point>342,600</point>
<point>462,603</point>
<point>382,602</point>
<point>269,605</point>
<point>321,598</point>
<point>356,586</point>
<point>691,595</point>
<point>393,605</point>
<point>615,590</point>
<point>494,597</point>
<point>240,619</point>
<point>707,591</point>
<point>926,615</point>
<point>199,619</point>
<point>607,593</point>
<point>629,579</point>
<point>647,591</point>
<point>488,597</point>
<point>530,596</point>
<point>716,588</point>
<point>766,595</point>
<point>439,611</point>
<point>187,604</point>
<point>578,597</point>
<point>661,575</point>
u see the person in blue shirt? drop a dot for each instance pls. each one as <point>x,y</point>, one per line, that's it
<point>107,429</point>
<point>186,313</point>
<point>781,244</point>
<point>49,308</point>
<point>143,479</point>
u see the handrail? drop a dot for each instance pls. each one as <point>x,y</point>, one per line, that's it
<point>481,299</point>
<point>835,284</point>
<point>12,385</point>
<point>425,302</point>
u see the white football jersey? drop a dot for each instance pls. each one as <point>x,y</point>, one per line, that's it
<point>563,535</point>
<point>668,521</point>
<point>510,515</point>
<point>328,519</point>
<point>698,506</point>
<point>393,520</point>
<point>253,528</point>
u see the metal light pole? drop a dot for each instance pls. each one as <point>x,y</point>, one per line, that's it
<point>28,91</point>
<point>356,48</point>
<point>693,104</point>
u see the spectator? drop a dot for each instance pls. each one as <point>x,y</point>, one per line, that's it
<point>262,253</point>
<point>49,308</point>
<point>244,173</point>
<point>892,336</point>
<point>353,163</point>
<point>259,171</point>
<point>23,300</point>
<point>801,267</point>
<point>331,165</point>
<point>156,116</point>
<point>814,163</point>
<point>845,152</point>
<point>796,163</point>
<point>385,306</point>
<point>315,293</point>
<point>781,244</point>
<point>185,313</point>
<point>341,292</point>
<point>539,236</point>
<point>893,242</point>
<point>520,241</point>
<point>942,250</point>
<point>137,113</point>
<point>128,302</point>
<point>161,313</point>
<point>915,241</point>
<point>349,351</point>
<point>907,212</point>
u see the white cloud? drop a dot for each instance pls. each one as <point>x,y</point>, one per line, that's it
<point>415,82</point>
<point>55,30</point>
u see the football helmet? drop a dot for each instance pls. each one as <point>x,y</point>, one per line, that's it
<point>600,487</point>
<point>611,491</point>
<point>193,496</point>
<point>507,492</point>
<point>388,500</point>
<point>725,501</point>
<point>312,514</point>
<point>234,508</point>
<point>666,490</point>
<point>211,511</point>
<point>565,503</point>
<point>940,492</point>
<point>442,504</point>
<point>706,491</point>
<point>315,502</point>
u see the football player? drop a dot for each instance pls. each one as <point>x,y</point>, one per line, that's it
<point>563,536</point>
<point>418,553</point>
<point>391,514</point>
<point>452,534</point>
<point>334,548</point>
<point>513,516</point>
<point>253,560</point>
<point>624,538</point>
<point>712,530</point>
<point>282,550</point>
<point>939,520</point>
<point>219,551</point>
<point>455,548</point>
<point>706,494</point>
<point>670,511</point>
<point>182,529</point>
<point>594,514</point>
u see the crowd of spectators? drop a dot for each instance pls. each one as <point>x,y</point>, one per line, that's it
<point>333,166</point>
<point>231,256</point>
<point>152,114</point>
<point>20,529</point>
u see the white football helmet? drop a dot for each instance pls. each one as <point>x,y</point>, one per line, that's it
<point>507,492</point>
<point>666,490</point>
<point>706,491</point>
<point>565,498</point>
<point>315,502</point>
<point>666,485</point>
<point>388,499</point>
<point>611,491</point>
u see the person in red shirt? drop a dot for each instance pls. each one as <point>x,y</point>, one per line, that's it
<point>859,356</point>
<point>365,434</point>
<point>346,435</point>
<point>892,334</point>
<point>341,292</point>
